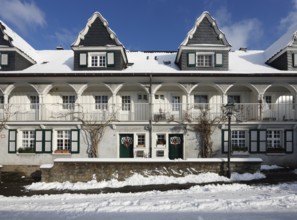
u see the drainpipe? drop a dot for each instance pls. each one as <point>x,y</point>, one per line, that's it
<point>150,118</point>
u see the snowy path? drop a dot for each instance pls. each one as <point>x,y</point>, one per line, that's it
<point>235,201</point>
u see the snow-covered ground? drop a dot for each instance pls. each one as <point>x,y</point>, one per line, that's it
<point>229,201</point>
<point>213,201</point>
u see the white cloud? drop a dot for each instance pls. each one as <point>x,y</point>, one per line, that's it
<point>241,33</point>
<point>23,14</point>
<point>290,22</point>
<point>65,37</point>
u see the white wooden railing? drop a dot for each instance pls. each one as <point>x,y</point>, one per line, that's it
<point>141,112</point>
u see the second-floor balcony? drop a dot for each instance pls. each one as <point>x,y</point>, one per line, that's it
<point>143,112</point>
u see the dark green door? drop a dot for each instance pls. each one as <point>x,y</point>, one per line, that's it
<point>126,146</point>
<point>176,149</point>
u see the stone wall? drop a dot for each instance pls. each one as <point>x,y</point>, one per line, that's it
<point>85,170</point>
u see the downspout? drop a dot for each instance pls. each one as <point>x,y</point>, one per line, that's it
<point>150,118</point>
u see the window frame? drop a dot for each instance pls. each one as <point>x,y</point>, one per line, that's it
<point>98,56</point>
<point>34,102</point>
<point>83,59</point>
<point>68,102</point>
<point>140,140</point>
<point>101,102</point>
<point>199,104</point>
<point>64,136</point>
<point>204,55</point>
<point>4,59</point>
<point>126,103</point>
<point>28,141</point>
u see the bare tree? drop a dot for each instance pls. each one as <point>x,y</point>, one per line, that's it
<point>204,126</point>
<point>94,127</point>
<point>5,116</point>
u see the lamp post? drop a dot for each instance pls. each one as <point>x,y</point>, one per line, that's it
<point>229,112</point>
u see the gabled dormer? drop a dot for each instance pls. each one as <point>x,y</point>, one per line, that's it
<point>282,54</point>
<point>15,52</point>
<point>205,47</point>
<point>98,48</point>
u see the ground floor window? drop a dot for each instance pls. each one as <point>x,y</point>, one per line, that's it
<point>274,139</point>
<point>28,142</point>
<point>259,140</point>
<point>63,140</point>
<point>161,139</point>
<point>140,140</point>
<point>238,141</point>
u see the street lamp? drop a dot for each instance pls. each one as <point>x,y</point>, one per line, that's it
<point>229,112</point>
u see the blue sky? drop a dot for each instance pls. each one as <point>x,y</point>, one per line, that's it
<point>149,24</point>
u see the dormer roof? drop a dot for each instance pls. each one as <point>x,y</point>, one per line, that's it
<point>102,23</point>
<point>280,46</point>
<point>12,40</point>
<point>193,33</point>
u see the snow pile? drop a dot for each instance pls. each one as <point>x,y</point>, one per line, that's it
<point>270,167</point>
<point>139,180</point>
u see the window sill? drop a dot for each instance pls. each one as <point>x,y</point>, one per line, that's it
<point>240,153</point>
<point>275,154</point>
<point>61,154</point>
<point>26,154</point>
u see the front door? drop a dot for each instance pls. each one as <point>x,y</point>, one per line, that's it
<point>126,146</point>
<point>176,149</point>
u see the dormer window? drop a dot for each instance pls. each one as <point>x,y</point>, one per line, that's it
<point>204,60</point>
<point>97,59</point>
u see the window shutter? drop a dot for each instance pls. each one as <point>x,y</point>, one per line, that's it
<point>38,141</point>
<point>12,141</point>
<point>225,141</point>
<point>4,59</point>
<point>48,136</point>
<point>294,59</point>
<point>74,141</point>
<point>254,141</point>
<point>262,141</point>
<point>191,59</point>
<point>219,59</point>
<point>289,141</point>
<point>110,59</point>
<point>83,59</point>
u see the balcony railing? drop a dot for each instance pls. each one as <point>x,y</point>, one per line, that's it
<point>141,112</point>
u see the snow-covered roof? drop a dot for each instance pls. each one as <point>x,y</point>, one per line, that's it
<point>61,62</point>
<point>205,14</point>
<point>82,34</point>
<point>20,43</point>
<point>283,42</point>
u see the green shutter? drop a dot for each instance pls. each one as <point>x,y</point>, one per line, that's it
<point>38,141</point>
<point>75,141</point>
<point>43,141</point>
<point>110,59</point>
<point>262,141</point>
<point>191,59</point>
<point>218,59</point>
<point>254,141</point>
<point>289,136</point>
<point>224,141</point>
<point>12,141</point>
<point>47,141</point>
<point>83,59</point>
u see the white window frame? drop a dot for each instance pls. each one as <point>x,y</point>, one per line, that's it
<point>204,54</point>
<point>273,141</point>
<point>64,140</point>
<point>238,138</point>
<point>34,102</point>
<point>68,101</point>
<point>28,139</point>
<point>101,102</point>
<point>140,140</point>
<point>199,104</point>
<point>99,56</point>
<point>176,103</point>
<point>126,103</point>
<point>219,59</point>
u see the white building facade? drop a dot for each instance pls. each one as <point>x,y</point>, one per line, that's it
<point>154,97</point>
